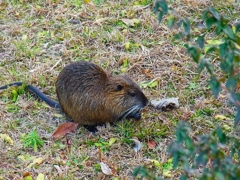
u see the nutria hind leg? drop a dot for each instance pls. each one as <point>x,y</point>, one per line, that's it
<point>93,128</point>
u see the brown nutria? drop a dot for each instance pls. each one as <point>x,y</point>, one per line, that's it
<point>90,96</point>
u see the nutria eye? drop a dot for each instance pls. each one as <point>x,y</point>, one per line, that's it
<point>119,87</point>
<point>131,94</point>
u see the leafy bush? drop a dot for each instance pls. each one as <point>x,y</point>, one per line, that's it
<point>214,155</point>
<point>221,58</point>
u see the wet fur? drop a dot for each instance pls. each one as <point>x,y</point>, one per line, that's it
<point>90,96</point>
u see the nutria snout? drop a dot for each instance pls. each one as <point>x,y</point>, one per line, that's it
<point>90,96</point>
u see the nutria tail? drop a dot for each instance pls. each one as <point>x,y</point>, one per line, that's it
<point>36,91</point>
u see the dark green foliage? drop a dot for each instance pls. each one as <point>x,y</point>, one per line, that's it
<point>226,51</point>
<point>214,153</point>
<point>161,8</point>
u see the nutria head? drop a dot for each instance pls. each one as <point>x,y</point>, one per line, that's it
<point>126,97</point>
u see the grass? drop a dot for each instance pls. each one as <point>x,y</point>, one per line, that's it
<point>37,39</point>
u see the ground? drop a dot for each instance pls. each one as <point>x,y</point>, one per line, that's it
<point>38,39</point>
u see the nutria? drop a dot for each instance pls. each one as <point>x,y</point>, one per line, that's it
<point>90,96</point>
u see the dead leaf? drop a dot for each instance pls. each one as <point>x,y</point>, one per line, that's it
<point>137,146</point>
<point>60,173</point>
<point>165,104</point>
<point>221,117</point>
<point>40,176</point>
<point>64,129</point>
<point>26,174</point>
<point>147,72</point>
<point>131,22</point>
<point>151,144</point>
<point>128,22</point>
<point>155,162</point>
<point>6,138</point>
<point>35,161</point>
<point>105,169</point>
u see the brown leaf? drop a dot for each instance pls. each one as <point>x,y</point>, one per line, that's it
<point>147,72</point>
<point>26,174</point>
<point>151,144</point>
<point>64,129</point>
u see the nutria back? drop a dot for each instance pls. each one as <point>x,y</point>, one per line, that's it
<point>90,96</point>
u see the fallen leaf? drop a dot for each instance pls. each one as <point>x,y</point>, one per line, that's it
<point>137,146</point>
<point>105,169</point>
<point>151,84</point>
<point>6,138</point>
<point>40,176</point>
<point>155,162</point>
<point>131,22</point>
<point>147,72</point>
<point>28,178</point>
<point>127,45</point>
<point>221,117</point>
<point>151,144</point>
<point>60,173</point>
<point>35,161</point>
<point>165,104</point>
<point>24,37</point>
<point>58,115</point>
<point>128,22</point>
<point>111,141</point>
<point>64,129</point>
<point>26,174</point>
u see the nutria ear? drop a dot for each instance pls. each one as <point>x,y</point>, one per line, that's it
<point>119,87</point>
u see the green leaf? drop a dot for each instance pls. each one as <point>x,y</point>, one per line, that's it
<point>231,83</point>
<point>210,21</point>
<point>214,13</point>
<point>177,36</point>
<point>194,52</point>
<point>227,63</point>
<point>219,176</point>
<point>170,22</point>
<point>200,41</point>
<point>186,26</point>
<point>153,84</point>
<point>179,23</point>
<point>175,160</point>
<point>229,31</point>
<point>221,136</point>
<point>160,16</point>
<point>237,118</point>
<point>223,49</point>
<point>220,26</point>
<point>237,26</point>
<point>209,49</point>
<point>215,86</point>
<point>163,5</point>
<point>205,15</point>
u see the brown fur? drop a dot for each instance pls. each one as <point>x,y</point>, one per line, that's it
<point>90,96</point>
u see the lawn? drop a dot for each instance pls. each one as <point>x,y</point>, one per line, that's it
<point>39,38</point>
